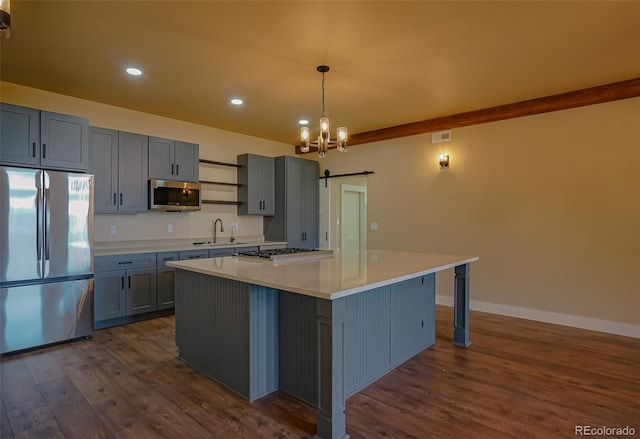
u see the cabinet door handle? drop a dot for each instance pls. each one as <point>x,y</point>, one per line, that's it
<point>125,262</point>
<point>114,199</point>
<point>44,150</point>
<point>177,169</point>
<point>129,277</point>
<point>122,282</point>
<point>171,168</point>
<point>121,198</point>
<point>34,149</point>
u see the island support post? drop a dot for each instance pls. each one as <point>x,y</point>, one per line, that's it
<point>331,392</point>
<point>461,306</point>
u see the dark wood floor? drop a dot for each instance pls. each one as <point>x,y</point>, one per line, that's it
<point>519,379</point>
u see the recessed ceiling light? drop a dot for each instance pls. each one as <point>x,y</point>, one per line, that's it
<point>303,122</point>
<point>237,101</point>
<point>133,71</point>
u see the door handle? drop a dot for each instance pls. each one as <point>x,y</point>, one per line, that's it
<point>121,198</point>
<point>34,149</point>
<point>44,150</point>
<point>122,282</point>
<point>178,169</point>
<point>129,277</point>
<point>114,199</point>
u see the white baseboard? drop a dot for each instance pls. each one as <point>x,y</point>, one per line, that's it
<point>625,329</point>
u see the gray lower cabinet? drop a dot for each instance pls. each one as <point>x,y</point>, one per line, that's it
<point>141,290</point>
<point>165,279</point>
<point>193,254</point>
<point>119,161</point>
<point>173,160</point>
<point>43,139</point>
<point>256,190</point>
<point>109,295</point>
<point>296,217</point>
<point>120,291</point>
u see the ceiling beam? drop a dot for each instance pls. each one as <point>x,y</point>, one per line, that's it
<point>564,101</point>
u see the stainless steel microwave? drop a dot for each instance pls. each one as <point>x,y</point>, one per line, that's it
<point>174,196</point>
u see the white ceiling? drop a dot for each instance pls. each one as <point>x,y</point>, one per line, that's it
<point>391,62</point>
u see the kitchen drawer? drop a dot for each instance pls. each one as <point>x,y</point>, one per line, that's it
<point>247,249</point>
<point>122,262</point>
<point>222,252</point>
<point>164,257</point>
<point>194,254</point>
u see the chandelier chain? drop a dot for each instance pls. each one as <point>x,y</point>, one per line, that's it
<point>322,94</point>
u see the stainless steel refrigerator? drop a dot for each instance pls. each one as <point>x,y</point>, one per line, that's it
<point>46,258</point>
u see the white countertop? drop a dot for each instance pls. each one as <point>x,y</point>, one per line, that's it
<point>169,245</point>
<point>329,277</point>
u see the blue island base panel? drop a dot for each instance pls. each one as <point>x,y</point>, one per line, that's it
<point>254,339</point>
<point>229,331</point>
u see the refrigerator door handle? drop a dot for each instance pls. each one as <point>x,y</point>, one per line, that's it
<point>39,237</point>
<point>47,225</point>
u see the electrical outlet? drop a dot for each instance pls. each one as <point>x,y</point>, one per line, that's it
<point>235,227</point>
<point>374,226</point>
<point>169,228</point>
<point>112,229</point>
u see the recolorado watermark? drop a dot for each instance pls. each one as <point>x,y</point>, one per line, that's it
<point>589,430</point>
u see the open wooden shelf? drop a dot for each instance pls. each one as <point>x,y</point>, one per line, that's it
<point>220,183</point>
<point>237,203</point>
<point>214,162</point>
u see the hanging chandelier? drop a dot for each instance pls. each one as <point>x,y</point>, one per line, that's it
<point>324,139</point>
<point>5,19</point>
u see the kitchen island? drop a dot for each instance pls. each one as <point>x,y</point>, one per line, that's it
<point>319,328</point>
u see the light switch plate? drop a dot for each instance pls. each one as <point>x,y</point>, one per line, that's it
<point>169,228</point>
<point>374,226</point>
<point>234,226</point>
<point>112,229</point>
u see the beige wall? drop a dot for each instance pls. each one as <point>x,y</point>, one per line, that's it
<point>214,145</point>
<point>550,203</point>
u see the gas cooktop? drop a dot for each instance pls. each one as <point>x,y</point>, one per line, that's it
<point>284,254</point>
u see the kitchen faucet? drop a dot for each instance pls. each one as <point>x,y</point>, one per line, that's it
<point>215,223</point>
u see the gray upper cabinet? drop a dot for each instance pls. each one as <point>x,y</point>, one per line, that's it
<point>43,139</point>
<point>133,168</point>
<point>103,164</point>
<point>119,161</point>
<point>19,135</point>
<point>296,217</point>
<point>256,177</point>
<point>173,160</point>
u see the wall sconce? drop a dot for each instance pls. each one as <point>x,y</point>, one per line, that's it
<point>5,19</point>
<point>444,161</point>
